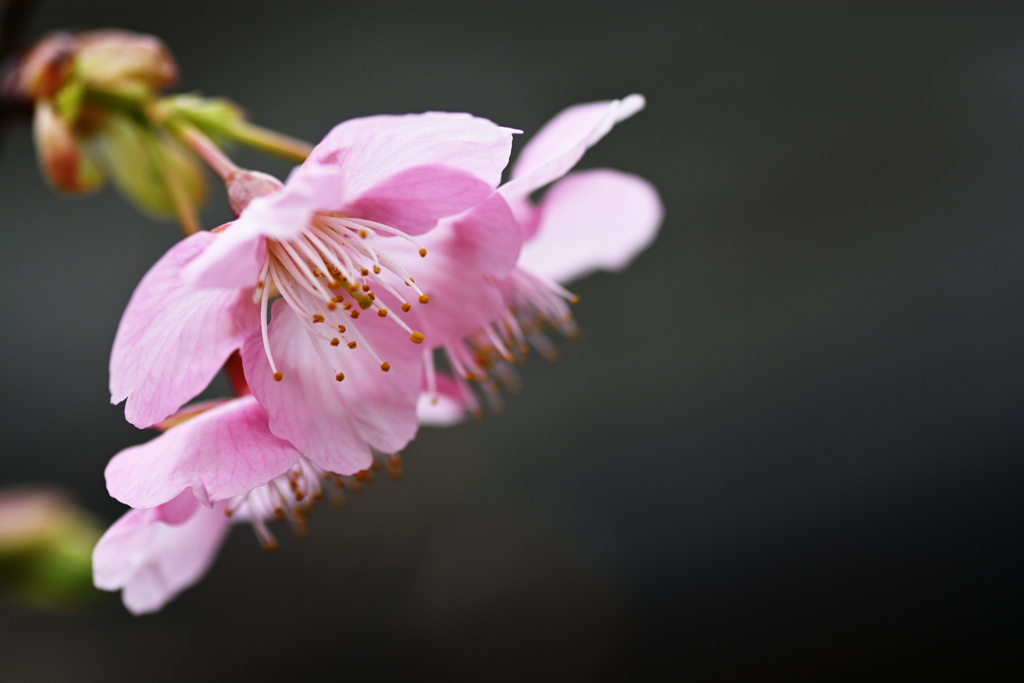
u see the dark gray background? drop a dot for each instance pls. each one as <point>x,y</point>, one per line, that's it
<point>791,434</point>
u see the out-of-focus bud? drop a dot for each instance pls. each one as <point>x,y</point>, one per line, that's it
<point>123,62</point>
<point>61,157</point>
<point>113,61</point>
<point>96,97</point>
<point>46,547</point>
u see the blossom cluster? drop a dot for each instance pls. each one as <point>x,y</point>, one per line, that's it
<point>328,300</point>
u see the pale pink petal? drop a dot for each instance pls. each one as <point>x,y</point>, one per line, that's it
<point>153,560</point>
<point>235,259</point>
<point>173,338</point>
<point>409,171</point>
<point>334,423</point>
<point>465,255</point>
<point>444,409</point>
<point>561,143</point>
<point>221,453</point>
<point>592,220</point>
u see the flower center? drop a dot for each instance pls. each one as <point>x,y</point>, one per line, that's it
<point>329,275</point>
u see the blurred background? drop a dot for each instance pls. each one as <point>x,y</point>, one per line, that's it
<point>791,434</point>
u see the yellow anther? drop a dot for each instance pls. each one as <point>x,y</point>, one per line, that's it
<point>341,329</point>
<point>278,376</point>
<point>331,305</point>
<point>423,252</point>
<point>351,345</point>
<point>406,307</point>
<point>335,341</point>
<point>424,298</point>
<point>416,337</point>
<point>366,288</point>
<point>382,313</point>
<point>376,269</point>
<point>364,272</point>
<point>340,376</point>
<point>354,314</point>
<point>385,366</point>
<point>317,318</point>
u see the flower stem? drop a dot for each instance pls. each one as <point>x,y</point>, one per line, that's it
<point>268,141</point>
<point>205,149</point>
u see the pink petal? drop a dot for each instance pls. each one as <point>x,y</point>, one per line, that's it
<point>332,423</point>
<point>402,171</point>
<point>235,259</point>
<point>221,453</point>
<point>445,409</point>
<point>592,220</point>
<point>173,338</point>
<point>465,255</point>
<point>561,143</point>
<point>153,560</point>
<point>409,171</point>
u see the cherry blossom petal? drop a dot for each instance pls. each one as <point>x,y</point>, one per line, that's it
<point>465,255</point>
<point>173,338</point>
<point>152,559</point>
<point>234,260</point>
<point>561,143</point>
<point>221,453</point>
<point>409,171</point>
<point>443,410</point>
<point>592,220</point>
<point>335,423</point>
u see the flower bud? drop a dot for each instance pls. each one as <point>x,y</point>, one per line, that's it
<point>115,61</point>
<point>123,61</point>
<point>61,157</point>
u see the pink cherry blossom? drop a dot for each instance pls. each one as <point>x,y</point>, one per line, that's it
<point>219,463</point>
<point>591,220</point>
<point>334,243</point>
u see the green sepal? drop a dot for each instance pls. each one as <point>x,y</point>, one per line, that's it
<point>142,162</point>
<point>68,101</point>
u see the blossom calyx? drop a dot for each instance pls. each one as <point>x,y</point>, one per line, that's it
<point>243,186</point>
